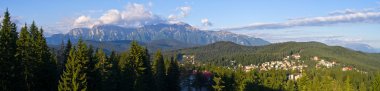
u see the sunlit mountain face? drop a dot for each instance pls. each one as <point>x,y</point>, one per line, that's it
<point>181,32</point>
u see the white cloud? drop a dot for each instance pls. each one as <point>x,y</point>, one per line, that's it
<point>112,16</point>
<point>133,15</point>
<point>83,21</point>
<point>346,11</point>
<point>183,12</point>
<point>205,22</point>
<point>345,17</point>
<point>137,14</point>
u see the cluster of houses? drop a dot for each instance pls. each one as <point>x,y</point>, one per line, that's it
<point>285,64</point>
<point>323,63</point>
<point>294,76</point>
<point>288,63</point>
<point>346,68</point>
<point>349,68</point>
<point>291,62</point>
<point>189,58</point>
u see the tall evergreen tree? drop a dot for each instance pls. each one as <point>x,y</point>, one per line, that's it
<point>103,68</point>
<point>66,52</point>
<point>32,66</point>
<point>159,71</point>
<point>63,54</point>
<point>9,71</point>
<point>114,71</point>
<point>47,74</point>
<point>218,84</point>
<point>362,87</point>
<point>26,58</point>
<point>290,86</point>
<point>127,74</point>
<point>60,64</point>
<point>92,73</point>
<point>143,68</point>
<point>375,85</point>
<point>348,85</point>
<point>74,77</point>
<point>173,76</point>
<point>303,82</point>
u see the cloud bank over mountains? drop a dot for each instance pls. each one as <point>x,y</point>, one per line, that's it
<point>336,17</point>
<point>133,15</point>
<point>183,12</point>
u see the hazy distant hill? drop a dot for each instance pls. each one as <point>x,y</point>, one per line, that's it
<point>224,51</point>
<point>354,46</point>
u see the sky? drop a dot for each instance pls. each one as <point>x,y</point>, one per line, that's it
<point>347,21</point>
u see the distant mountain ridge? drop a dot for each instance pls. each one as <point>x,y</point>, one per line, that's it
<point>181,32</point>
<point>354,46</point>
<point>123,45</point>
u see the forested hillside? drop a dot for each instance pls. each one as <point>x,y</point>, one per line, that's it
<point>223,52</point>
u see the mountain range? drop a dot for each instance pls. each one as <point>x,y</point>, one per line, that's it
<point>180,31</point>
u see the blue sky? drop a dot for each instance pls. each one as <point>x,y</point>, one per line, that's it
<point>351,21</point>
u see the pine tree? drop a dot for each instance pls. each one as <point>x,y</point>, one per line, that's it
<point>67,51</point>
<point>127,74</point>
<point>74,77</point>
<point>93,77</point>
<point>159,71</point>
<point>60,64</point>
<point>103,68</point>
<point>10,68</point>
<point>143,69</point>
<point>26,58</point>
<point>64,54</point>
<point>362,87</point>
<point>303,82</point>
<point>290,86</point>
<point>173,76</point>
<point>218,84</point>
<point>32,66</point>
<point>376,82</point>
<point>347,84</point>
<point>46,76</point>
<point>113,80</point>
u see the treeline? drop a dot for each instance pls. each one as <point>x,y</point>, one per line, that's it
<point>27,64</point>
<point>25,60</point>
<point>222,53</point>
<point>227,79</point>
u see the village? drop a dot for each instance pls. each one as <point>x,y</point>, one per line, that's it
<point>292,63</point>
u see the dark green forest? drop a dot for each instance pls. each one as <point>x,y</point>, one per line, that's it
<point>28,64</point>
